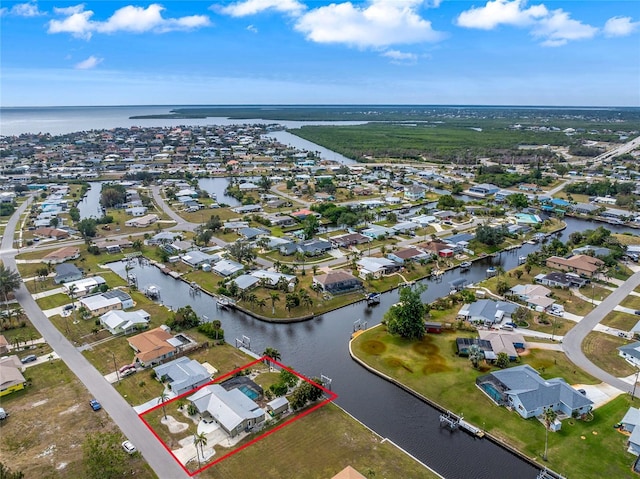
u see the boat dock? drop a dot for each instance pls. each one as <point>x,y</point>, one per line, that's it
<point>453,422</point>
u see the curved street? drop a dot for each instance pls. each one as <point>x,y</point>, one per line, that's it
<point>158,458</point>
<point>572,342</point>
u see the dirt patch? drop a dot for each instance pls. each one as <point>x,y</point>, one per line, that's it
<point>374,347</point>
<point>426,348</point>
<point>174,426</point>
<point>69,410</point>
<point>435,367</point>
<point>394,362</point>
<point>39,403</point>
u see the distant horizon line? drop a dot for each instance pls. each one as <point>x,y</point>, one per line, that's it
<point>329,105</point>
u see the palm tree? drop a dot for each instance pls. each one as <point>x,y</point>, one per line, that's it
<point>475,355</point>
<point>277,264</point>
<point>261,303</point>
<point>271,353</point>
<point>9,282</point>
<point>302,258</point>
<point>314,268</point>
<point>200,440</point>
<point>548,416</point>
<point>274,297</point>
<point>163,398</point>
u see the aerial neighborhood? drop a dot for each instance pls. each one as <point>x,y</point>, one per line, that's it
<point>174,260</point>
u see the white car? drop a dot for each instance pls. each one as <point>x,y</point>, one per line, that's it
<point>129,447</point>
<point>557,312</point>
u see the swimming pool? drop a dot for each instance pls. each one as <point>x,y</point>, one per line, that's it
<point>493,393</point>
<point>250,393</point>
<point>525,218</point>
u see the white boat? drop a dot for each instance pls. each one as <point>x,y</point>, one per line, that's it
<point>491,271</point>
<point>465,265</point>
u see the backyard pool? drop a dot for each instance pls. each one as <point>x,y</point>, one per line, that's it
<point>250,393</point>
<point>492,392</point>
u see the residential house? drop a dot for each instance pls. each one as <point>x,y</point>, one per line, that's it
<point>581,264</point>
<point>142,221</point>
<point>66,273</point>
<point>196,259</point>
<point>535,296</point>
<point>11,378</point>
<point>585,208</point>
<point>244,282</point>
<point>61,255</point>
<point>337,282</point>
<point>244,209</point>
<point>125,299</point>
<point>227,267</point>
<point>4,345</point>
<point>112,246</point>
<point>122,322</point>
<point>405,227</point>
<point>557,279</point>
<point>155,345</point>
<point>487,311</point>
<point>414,193</point>
<point>376,267</point>
<point>136,211</point>
<point>631,353</point>
<point>97,304</point>
<point>164,237</point>
<point>314,247</point>
<point>51,233</point>
<point>271,278</point>
<point>83,286</point>
<point>378,232</point>
<point>252,233</point>
<point>408,255</point>
<point>483,189</point>
<point>349,239</point>
<point>183,375</point>
<point>524,390</point>
<point>503,342</point>
<point>464,344</point>
<point>232,410</point>
<point>630,423</point>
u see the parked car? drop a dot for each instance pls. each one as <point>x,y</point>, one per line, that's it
<point>69,307</point>
<point>513,325</point>
<point>95,405</point>
<point>556,312</point>
<point>128,372</point>
<point>637,311</point>
<point>129,447</point>
<point>29,359</point>
<point>126,367</point>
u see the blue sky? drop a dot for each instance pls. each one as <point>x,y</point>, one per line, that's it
<point>506,52</point>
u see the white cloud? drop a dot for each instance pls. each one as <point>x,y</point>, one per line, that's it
<point>128,19</point>
<point>620,27</point>
<point>252,7</point>
<point>29,9</point>
<point>89,63</point>
<point>500,12</point>
<point>378,23</point>
<point>68,10</point>
<point>252,29</point>
<point>553,28</point>
<point>558,28</point>
<point>401,58</point>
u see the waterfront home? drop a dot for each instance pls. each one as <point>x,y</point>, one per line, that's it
<point>616,214</point>
<point>337,282</point>
<point>245,282</point>
<point>66,273</point>
<point>155,345</point>
<point>232,410</point>
<point>122,322</point>
<point>11,378</point>
<point>580,264</point>
<point>196,259</point>
<point>598,251</point>
<point>164,237</point>
<point>414,193</point>
<point>630,423</point>
<point>182,374</point>
<point>487,311</point>
<point>631,353</point>
<point>585,208</point>
<point>533,295</point>
<point>227,267</point>
<point>376,267</point>
<point>407,255</point>
<point>61,255</point>
<point>270,279</point>
<point>524,390</point>
<point>112,246</point>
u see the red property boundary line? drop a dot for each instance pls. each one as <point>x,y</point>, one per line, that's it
<point>331,396</point>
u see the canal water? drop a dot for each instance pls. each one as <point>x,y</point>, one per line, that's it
<point>320,346</point>
<point>89,205</point>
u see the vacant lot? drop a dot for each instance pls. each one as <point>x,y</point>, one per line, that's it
<point>620,320</point>
<point>601,349</point>
<point>319,445</point>
<point>44,434</point>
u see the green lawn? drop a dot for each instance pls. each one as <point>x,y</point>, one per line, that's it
<point>620,320</point>
<point>431,368</point>
<point>601,349</point>
<point>631,301</point>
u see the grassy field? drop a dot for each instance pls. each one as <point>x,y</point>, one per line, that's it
<point>620,320</point>
<point>600,348</point>
<point>587,449</point>
<point>318,446</point>
<point>49,419</point>
<point>631,301</point>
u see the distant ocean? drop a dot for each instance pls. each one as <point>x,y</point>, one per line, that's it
<point>61,120</point>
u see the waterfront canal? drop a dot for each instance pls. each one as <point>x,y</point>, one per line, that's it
<point>320,346</point>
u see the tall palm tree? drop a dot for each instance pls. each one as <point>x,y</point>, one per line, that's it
<point>475,355</point>
<point>9,282</point>
<point>261,303</point>
<point>548,416</point>
<point>200,439</point>
<point>162,399</point>
<point>274,297</point>
<point>271,353</point>
<point>314,268</point>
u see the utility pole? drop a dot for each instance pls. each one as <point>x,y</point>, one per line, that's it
<point>633,393</point>
<point>115,366</point>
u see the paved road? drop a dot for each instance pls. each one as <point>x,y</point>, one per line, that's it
<point>572,343</point>
<point>122,414</point>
